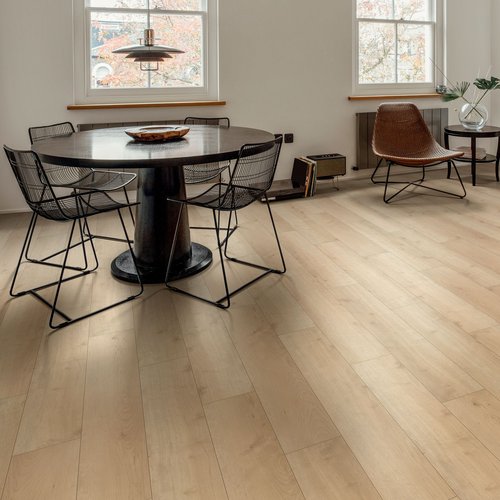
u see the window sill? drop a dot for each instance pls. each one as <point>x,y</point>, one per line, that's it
<point>392,96</point>
<point>130,105</point>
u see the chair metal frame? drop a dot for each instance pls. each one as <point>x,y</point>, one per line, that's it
<point>83,177</point>
<point>417,183</point>
<point>189,177</point>
<point>74,208</point>
<point>238,193</point>
<point>401,137</point>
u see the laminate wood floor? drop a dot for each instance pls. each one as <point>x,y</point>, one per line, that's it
<point>370,370</point>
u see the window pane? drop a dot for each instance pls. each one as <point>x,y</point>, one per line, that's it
<point>178,4</point>
<point>185,33</point>
<point>377,53</point>
<point>414,10</point>
<point>110,32</point>
<point>375,9</point>
<point>153,4</point>
<point>118,4</point>
<point>414,57</point>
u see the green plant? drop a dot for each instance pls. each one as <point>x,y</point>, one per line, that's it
<point>459,91</point>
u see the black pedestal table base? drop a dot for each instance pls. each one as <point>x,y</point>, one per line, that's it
<point>123,268</point>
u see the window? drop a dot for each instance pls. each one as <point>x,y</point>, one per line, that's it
<point>398,45</point>
<point>102,26</point>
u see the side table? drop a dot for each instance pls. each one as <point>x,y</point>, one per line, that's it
<point>485,132</point>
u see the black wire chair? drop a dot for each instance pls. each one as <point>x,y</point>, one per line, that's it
<point>39,193</point>
<point>194,174</point>
<point>204,172</point>
<point>250,179</point>
<point>81,178</point>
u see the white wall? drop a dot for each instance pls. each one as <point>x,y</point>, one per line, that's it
<point>495,60</point>
<point>285,66</point>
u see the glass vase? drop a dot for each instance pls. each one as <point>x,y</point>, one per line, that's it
<point>473,117</point>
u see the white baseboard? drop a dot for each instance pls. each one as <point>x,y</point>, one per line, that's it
<point>15,211</point>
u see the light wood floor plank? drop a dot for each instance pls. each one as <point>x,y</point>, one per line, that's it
<point>313,261</point>
<point>297,416</point>
<point>181,454</point>
<point>473,357</point>
<point>113,461</point>
<point>476,295</point>
<point>369,431</point>
<point>330,470</point>
<point>489,337</point>
<point>11,411</point>
<point>217,367</point>
<point>461,459</point>
<point>21,329</point>
<point>252,462</point>
<point>45,474</point>
<point>282,311</point>
<point>444,378</point>
<point>339,325</point>
<point>158,333</point>
<point>480,413</point>
<point>53,410</point>
<point>390,293</point>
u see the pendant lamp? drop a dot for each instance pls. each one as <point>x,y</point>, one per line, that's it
<point>148,54</point>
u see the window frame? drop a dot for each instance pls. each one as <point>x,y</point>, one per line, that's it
<point>402,88</point>
<point>84,94</point>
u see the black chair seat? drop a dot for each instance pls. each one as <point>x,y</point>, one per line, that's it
<point>78,205</point>
<point>102,180</point>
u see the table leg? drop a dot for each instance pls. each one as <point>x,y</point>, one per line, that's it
<point>473,160</point>
<point>497,160</point>
<point>154,231</point>
<point>447,146</point>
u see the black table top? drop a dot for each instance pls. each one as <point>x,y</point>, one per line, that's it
<point>112,148</point>
<point>459,131</point>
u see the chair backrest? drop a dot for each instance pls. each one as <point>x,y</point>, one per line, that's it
<point>57,174</point>
<point>222,121</point>
<point>48,131</point>
<point>34,184</point>
<point>400,130</point>
<point>253,173</point>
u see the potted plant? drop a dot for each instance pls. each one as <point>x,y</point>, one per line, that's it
<point>473,115</point>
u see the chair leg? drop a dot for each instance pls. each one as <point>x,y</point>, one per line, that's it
<point>63,268</point>
<point>372,177</point>
<point>88,234</point>
<point>418,183</point>
<point>129,206</point>
<point>257,266</point>
<point>102,309</point>
<point>45,260</point>
<point>24,248</point>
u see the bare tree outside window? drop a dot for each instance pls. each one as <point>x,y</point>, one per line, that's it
<point>112,27</point>
<point>395,41</point>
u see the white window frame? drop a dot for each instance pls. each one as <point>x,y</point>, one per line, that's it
<point>402,88</point>
<point>84,94</point>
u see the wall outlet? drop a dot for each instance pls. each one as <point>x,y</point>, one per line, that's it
<point>288,138</point>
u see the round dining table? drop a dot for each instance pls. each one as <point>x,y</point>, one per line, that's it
<point>160,176</point>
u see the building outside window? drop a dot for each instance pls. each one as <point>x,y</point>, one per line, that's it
<point>101,26</point>
<point>398,45</point>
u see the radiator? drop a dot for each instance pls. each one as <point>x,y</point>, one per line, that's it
<point>90,126</point>
<point>436,119</point>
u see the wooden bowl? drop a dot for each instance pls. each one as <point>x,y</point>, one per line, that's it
<point>155,133</point>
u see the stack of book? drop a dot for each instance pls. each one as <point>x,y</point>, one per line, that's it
<point>301,185</point>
